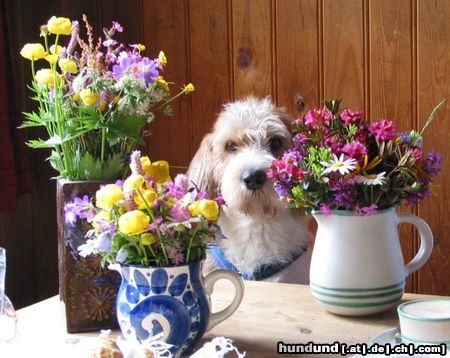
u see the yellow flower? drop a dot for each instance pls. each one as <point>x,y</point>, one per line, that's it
<point>76,97</point>
<point>33,52</point>
<point>158,170</point>
<point>140,47</point>
<point>52,59</point>
<point>163,83</point>
<point>55,49</point>
<point>149,195</point>
<point>108,195</point>
<point>101,216</point>
<point>46,77</point>
<point>103,105</point>
<point>162,57</point>
<point>134,182</point>
<point>189,88</point>
<point>88,97</point>
<point>133,222</point>
<point>209,209</point>
<point>68,65</point>
<point>147,239</point>
<point>59,25</point>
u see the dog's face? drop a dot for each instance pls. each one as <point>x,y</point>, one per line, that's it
<point>235,157</point>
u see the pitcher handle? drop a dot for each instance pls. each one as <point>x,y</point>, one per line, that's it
<point>426,242</point>
<point>210,280</point>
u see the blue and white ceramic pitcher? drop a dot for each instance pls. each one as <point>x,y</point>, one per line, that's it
<point>173,301</point>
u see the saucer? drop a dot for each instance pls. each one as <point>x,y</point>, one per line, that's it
<point>392,336</point>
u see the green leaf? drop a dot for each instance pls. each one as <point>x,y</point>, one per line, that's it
<point>126,126</point>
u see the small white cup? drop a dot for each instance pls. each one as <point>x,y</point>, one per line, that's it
<point>425,321</point>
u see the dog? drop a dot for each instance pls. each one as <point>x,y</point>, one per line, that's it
<point>261,238</point>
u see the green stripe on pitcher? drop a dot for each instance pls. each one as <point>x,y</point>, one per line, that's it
<point>356,297</point>
<point>361,304</point>
<point>391,287</point>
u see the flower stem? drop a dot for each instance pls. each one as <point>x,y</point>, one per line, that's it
<point>102,154</point>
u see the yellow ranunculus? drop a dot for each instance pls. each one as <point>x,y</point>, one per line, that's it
<point>194,208</point>
<point>134,222</point>
<point>52,59</point>
<point>55,49</point>
<point>101,216</point>
<point>33,52</point>
<point>162,57</point>
<point>209,209</point>
<point>147,239</point>
<point>68,65</point>
<point>45,77</point>
<point>76,97</point>
<point>189,88</point>
<point>59,25</point>
<point>88,97</point>
<point>140,47</point>
<point>134,182</point>
<point>149,195</point>
<point>108,195</point>
<point>145,163</point>
<point>158,170</point>
<point>163,83</point>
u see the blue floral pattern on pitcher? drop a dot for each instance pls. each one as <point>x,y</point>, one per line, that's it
<point>170,300</point>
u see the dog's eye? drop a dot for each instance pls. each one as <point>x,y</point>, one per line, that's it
<point>231,147</point>
<point>275,143</point>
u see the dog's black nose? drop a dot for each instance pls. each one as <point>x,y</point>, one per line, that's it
<point>254,179</point>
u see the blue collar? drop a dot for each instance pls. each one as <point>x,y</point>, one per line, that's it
<point>261,273</point>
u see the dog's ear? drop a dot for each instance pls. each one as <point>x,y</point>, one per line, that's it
<point>200,170</point>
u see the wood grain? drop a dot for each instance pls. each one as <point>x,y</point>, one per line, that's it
<point>165,26</point>
<point>391,78</point>
<point>343,51</point>
<point>210,63</point>
<point>433,51</point>
<point>252,48</point>
<point>297,71</point>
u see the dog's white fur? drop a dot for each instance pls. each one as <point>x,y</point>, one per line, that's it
<point>258,227</point>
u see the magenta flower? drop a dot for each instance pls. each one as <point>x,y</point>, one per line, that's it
<point>325,209</point>
<point>179,213</point>
<point>383,129</point>
<point>176,256</point>
<point>355,150</point>
<point>350,117</point>
<point>315,116</point>
<point>117,26</point>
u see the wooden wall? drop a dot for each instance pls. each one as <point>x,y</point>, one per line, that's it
<point>390,58</point>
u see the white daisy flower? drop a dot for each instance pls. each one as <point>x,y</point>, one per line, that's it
<point>371,179</point>
<point>339,164</point>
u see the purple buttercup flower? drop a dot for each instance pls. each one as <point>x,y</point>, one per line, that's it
<point>325,209</point>
<point>350,117</point>
<point>383,129</point>
<point>117,26</point>
<point>179,213</point>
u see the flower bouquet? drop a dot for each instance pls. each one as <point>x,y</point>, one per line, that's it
<point>351,174</point>
<point>148,219</point>
<point>154,231</point>
<point>340,161</point>
<point>94,98</point>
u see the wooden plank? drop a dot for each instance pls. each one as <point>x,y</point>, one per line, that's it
<point>343,51</point>
<point>391,81</point>
<point>252,48</point>
<point>165,29</point>
<point>297,53</point>
<point>433,58</point>
<point>210,68</point>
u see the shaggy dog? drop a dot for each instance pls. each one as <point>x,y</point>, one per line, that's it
<point>261,238</point>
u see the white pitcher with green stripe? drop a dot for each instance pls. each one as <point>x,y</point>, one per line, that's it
<point>357,266</point>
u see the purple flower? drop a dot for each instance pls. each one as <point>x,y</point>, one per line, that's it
<point>179,213</point>
<point>176,256</point>
<point>383,129</point>
<point>314,116</point>
<point>182,181</point>
<point>202,195</point>
<point>342,194</point>
<point>79,208</point>
<point>109,42</point>
<point>433,163</point>
<point>365,210</point>
<point>350,117</point>
<point>135,66</point>
<point>117,26</point>
<point>355,150</point>
<point>103,243</point>
<point>108,227</point>
<point>325,209</point>
<point>220,200</point>
<point>135,163</point>
<point>175,191</point>
<point>122,255</point>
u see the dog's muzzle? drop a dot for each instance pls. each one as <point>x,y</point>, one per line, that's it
<point>254,179</point>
